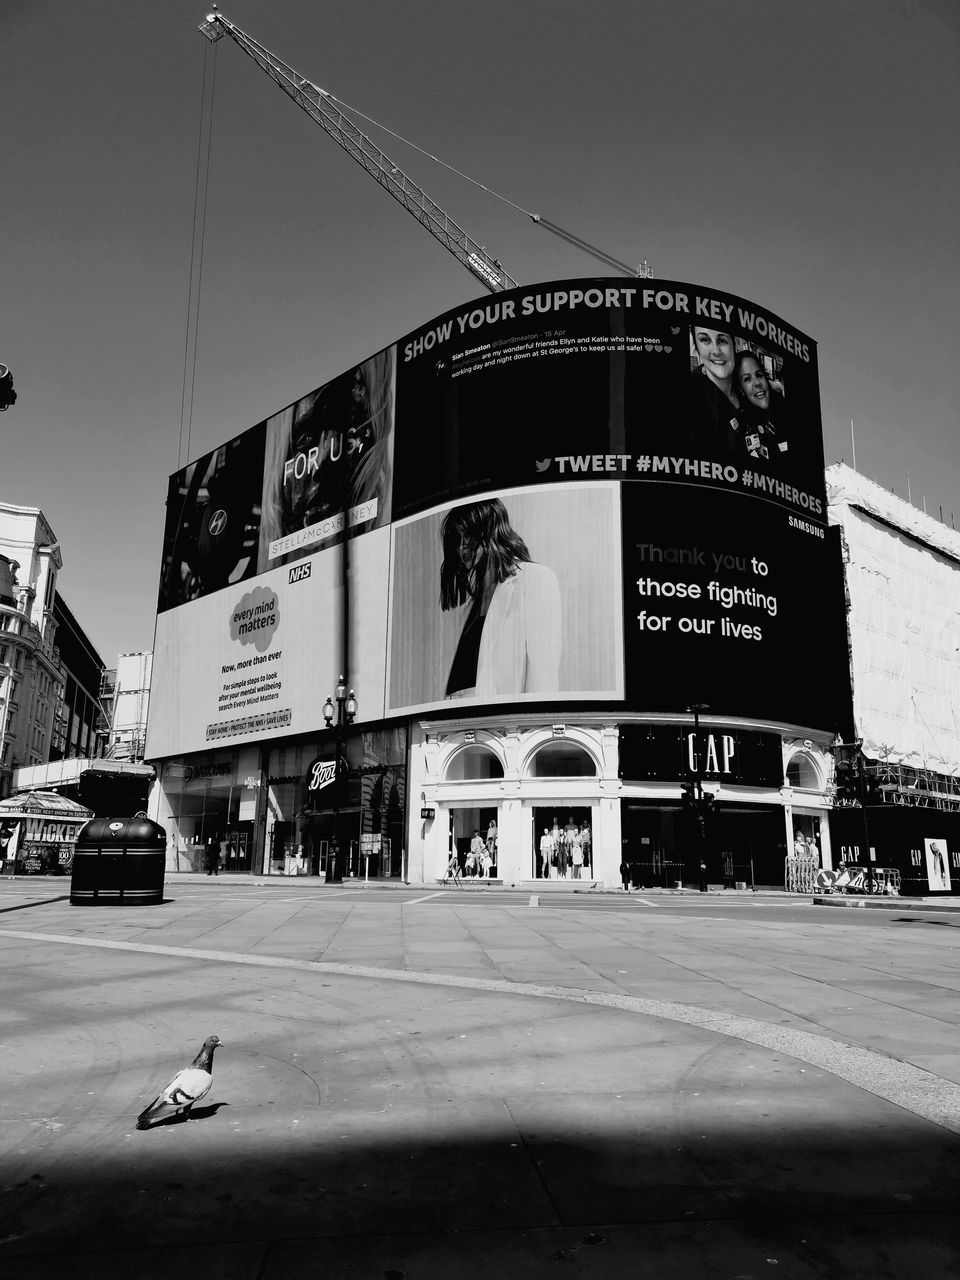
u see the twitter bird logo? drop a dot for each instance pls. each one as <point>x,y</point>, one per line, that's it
<point>544,465</point>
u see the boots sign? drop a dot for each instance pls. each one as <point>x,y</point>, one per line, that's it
<point>321,774</point>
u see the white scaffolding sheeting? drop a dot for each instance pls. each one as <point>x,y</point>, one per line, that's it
<point>903,581</point>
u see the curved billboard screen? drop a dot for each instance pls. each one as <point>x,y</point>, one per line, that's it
<point>604,491</point>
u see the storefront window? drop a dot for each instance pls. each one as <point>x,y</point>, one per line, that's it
<point>802,773</point>
<point>211,802</point>
<point>351,830</point>
<point>562,843</point>
<point>472,764</point>
<point>562,760</point>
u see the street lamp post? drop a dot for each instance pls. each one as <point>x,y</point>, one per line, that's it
<point>343,713</point>
<point>696,708</point>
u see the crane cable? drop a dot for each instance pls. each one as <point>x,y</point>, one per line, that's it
<point>192,325</point>
<point>569,236</point>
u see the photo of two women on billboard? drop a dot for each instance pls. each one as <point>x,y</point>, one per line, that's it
<point>737,407</point>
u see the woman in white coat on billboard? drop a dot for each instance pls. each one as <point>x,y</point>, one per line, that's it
<point>510,642</point>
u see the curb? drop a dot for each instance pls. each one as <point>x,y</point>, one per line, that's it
<point>888,904</point>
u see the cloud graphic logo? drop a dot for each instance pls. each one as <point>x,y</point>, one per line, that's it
<point>544,465</point>
<point>256,618</point>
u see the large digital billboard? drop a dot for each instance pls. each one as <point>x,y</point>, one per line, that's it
<point>607,491</point>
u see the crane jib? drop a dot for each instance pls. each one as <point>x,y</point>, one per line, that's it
<point>348,135</point>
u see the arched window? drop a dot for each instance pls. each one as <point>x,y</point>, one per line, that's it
<point>562,760</point>
<point>475,764</point>
<point>802,773</point>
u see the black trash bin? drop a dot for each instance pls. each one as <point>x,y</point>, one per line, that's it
<point>119,861</point>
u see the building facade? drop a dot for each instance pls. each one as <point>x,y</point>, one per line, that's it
<point>564,547</point>
<point>129,699</point>
<point>896,788</point>
<point>31,677</point>
<point>82,723</point>
<point>113,781</point>
<point>54,725</point>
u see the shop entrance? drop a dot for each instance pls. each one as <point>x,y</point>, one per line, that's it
<point>237,848</point>
<point>474,838</point>
<point>651,856</point>
<point>742,844</point>
<point>321,841</point>
<point>748,846</point>
<point>561,843</point>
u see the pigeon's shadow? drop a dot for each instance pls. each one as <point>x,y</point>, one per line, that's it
<point>198,1113</point>
<point>204,1113</point>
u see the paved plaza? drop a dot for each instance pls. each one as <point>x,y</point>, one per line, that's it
<point>417,1084</point>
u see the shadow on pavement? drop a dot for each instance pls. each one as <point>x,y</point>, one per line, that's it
<point>949,924</point>
<point>240,1198</point>
<point>38,902</point>
<point>197,1113</point>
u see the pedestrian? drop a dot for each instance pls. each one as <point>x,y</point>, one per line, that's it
<point>703,876</point>
<point>625,875</point>
<point>213,857</point>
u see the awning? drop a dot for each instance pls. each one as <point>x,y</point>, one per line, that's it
<point>44,804</point>
<point>115,768</point>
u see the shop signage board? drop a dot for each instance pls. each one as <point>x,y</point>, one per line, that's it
<point>673,752</point>
<point>321,774</point>
<point>660,543</point>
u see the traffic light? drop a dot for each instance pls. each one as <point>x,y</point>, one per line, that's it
<point>7,394</point>
<point>872,794</point>
<point>846,782</point>
<point>708,805</point>
<point>688,797</point>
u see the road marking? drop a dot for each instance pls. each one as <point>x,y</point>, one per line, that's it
<point>412,902</point>
<point>907,1086</point>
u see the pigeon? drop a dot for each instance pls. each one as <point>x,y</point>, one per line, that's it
<point>187,1087</point>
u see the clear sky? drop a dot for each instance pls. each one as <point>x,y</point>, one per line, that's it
<point>801,154</point>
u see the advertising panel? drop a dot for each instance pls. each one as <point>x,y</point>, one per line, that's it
<point>647,381</point>
<point>532,630</point>
<point>285,488</point>
<point>258,659</point>
<point>600,490</point>
<point>728,603</point>
<point>937,865</point>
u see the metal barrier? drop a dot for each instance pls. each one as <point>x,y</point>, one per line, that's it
<point>853,878</point>
<point>800,874</point>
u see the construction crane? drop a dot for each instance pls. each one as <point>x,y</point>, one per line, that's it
<point>322,107</point>
<point>318,104</point>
